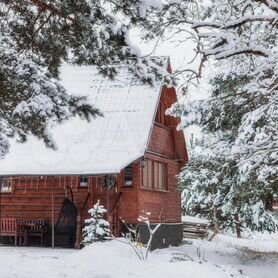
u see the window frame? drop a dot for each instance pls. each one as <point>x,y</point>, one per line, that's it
<point>9,185</point>
<point>155,175</point>
<point>131,185</point>
<point>80,182</point>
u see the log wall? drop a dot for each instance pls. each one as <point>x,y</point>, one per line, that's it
<point>31,197</point>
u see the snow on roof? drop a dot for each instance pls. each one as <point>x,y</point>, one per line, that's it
<point>104,145</point>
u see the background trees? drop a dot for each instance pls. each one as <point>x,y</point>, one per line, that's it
<point>213,184</point>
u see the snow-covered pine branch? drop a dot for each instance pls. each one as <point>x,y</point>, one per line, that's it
<point>230,181</point>
<point>37,36</point>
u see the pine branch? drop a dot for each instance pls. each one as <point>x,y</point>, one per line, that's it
<point>50,8</point>
<point>235,23</point>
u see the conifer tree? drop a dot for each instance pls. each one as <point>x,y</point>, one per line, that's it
<point>96,227</point>
<point>213,184</point>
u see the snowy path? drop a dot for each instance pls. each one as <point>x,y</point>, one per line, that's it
<point>222,258</point>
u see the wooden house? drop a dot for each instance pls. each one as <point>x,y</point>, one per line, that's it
<point>128,159</point>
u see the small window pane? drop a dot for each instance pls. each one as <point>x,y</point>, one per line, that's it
<point>156,180</point>
<point>145,176</point>
<point>128,172</point>
<point>150,174</point>
<point>6,185</point>
<point>83,181</point>
<point>161,176</point>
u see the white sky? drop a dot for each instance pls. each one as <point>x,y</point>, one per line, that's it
<point>180,56</point>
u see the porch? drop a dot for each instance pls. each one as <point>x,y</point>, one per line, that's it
<point>50,211</point>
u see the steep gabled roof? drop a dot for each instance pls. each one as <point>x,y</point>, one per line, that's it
<point>105,145</point>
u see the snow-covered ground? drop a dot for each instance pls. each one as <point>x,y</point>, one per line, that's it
<point>226,256</point>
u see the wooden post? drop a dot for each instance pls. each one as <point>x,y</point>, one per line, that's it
<point>78,231</point>
<point>53,220</point>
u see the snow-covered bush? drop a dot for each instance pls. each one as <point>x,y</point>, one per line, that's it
<point>96,228</point>
<point>133,236</point>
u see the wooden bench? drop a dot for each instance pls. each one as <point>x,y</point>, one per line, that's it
<point>8,227</point>
<point>23,228</point>
<point>31,228</point>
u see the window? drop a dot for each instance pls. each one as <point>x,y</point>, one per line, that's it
<point>83,181</point>
<point>109,181</point>
<point>128,175</point>
<point>159,175</point>
<point>155,175</point>
<point>148,174</point>
<point>6,185</point>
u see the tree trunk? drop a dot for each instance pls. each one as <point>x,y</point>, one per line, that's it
<point>238,230</point>
<point>215,226</point>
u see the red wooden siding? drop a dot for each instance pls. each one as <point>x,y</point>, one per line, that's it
<point>164,205</point>
<point>31,197</point>
<point>128,209</point>
<point>166,145</point>
<point>162,141</point>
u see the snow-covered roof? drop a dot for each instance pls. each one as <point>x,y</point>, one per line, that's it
<point>104,145</point>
